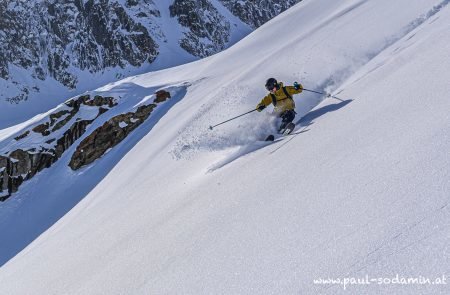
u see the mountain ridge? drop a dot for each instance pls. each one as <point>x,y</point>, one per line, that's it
<point>66,40</point>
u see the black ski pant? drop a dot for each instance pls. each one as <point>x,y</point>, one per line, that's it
<point>286,118</point>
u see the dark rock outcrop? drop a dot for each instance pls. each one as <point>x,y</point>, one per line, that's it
<point>22,136</point>
<point>112,132</point>
<point>204,22</point>
<point>161,96</point>
<point>22,164</point>
<point>50,38</point>
<point>57,39</point>
<point>256,13</point>
<point>59,132</point>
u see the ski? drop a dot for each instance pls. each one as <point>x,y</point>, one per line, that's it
<point>287,131</point>
<point>289,128</point>
<point>271,137</point>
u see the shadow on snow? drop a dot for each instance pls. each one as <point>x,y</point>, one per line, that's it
<point>47,197</point>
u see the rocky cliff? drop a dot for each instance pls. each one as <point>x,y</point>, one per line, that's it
<point>256,13</point>
<point>61,41</point>
<point>43,143</point>
<point>113,132</point>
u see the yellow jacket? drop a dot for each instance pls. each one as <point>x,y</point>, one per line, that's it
<point>283,102</point>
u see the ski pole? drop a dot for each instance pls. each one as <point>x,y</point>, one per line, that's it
<point>211,127</point>
<point>327,94</point>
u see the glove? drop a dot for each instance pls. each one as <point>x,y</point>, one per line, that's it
<point>260,107</point>
<point>297,86</point>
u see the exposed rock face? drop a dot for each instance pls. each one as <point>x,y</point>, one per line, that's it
<point>161,96</point>
<point>123,40</point>
<point>40,146</point>
<point>22,135</point>
<point>112,132</point>
<point>256,13</point>
<point>48,37</point>
<point>56,39</point>
<point>54,136</point>
<point>204,22</point>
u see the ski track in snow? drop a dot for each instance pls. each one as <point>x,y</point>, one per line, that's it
<point>247,143</point>
<point>244,139</point>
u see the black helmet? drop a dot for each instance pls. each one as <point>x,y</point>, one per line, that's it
<point>271,83</point>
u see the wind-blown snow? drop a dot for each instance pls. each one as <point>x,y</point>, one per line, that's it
<point>362,189</point>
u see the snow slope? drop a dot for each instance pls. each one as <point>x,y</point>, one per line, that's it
<point>364,190</point>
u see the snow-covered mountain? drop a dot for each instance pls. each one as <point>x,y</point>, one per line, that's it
<point>51,50</point>
<point>361,190</point>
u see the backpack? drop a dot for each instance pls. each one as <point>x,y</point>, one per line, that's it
<point>274,98</point>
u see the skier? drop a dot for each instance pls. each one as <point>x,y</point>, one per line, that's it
<point>281,97</point>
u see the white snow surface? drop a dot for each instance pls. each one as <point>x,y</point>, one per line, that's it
<point>362,191</point>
